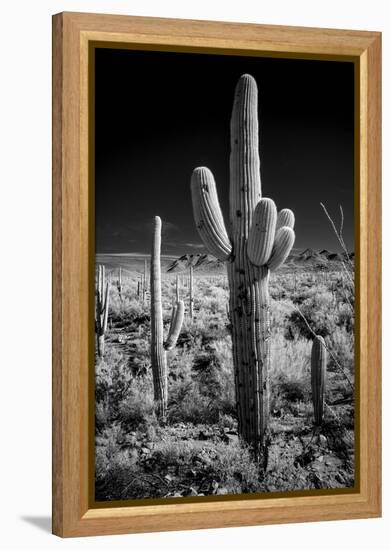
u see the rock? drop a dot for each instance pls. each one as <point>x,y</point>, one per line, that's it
<point>215,485</point>
<point>340,478</point>
<point>130,440</point>
<point>322,440</point>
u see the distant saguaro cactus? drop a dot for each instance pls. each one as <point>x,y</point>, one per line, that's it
<point>259,240</point>
<point>191,292</point>
<point>101,309</point>
<point>318,374</point>
<point>145,279</point>
<point>119,282</point>
<point>159,347</point>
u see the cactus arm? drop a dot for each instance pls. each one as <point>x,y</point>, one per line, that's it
<point>318,372</point>
<point>285,238</point>
<point>262,232</point>
<point>177,287</point>
<point>285,218</point>
<point>175,326</point>
<point>207,214</point>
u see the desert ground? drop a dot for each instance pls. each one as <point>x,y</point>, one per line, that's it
<point>196,451</point>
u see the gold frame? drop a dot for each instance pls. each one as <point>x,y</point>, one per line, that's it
<point>73,34</point>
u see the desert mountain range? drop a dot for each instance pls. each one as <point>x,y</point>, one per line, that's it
<point>307,258</point>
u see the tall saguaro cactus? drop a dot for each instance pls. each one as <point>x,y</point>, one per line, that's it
<point>101,309</point>
<point>318,372</point>
<point>159,347</point>
<point>258,241</point>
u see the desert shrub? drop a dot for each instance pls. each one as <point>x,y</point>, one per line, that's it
<point>341,343</point>
<point>233,468</point>
<point>319,313</point>
<point>112,378</point>
<point>188,404</point>
<point>116,473</point>
<point>290,359</point>
<point>201,383</point>
<point>128,310</point>
<point>138,407</point>
<point>139,359</point>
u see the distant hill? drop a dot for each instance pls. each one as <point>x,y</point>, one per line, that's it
<point>198,261</point>
<point>313,258</point>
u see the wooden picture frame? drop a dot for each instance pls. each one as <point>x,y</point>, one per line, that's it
<point>74,513</point>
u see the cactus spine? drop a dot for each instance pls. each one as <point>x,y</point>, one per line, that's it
<point>159,348</point>
<point>101,309</point>
<point>318,373</point>
<point>252,248</point>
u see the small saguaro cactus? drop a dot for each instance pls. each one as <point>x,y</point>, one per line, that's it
<point>159,347</point>
<point>101,309</point>
<point>318,375</point>
<point>258,241</point>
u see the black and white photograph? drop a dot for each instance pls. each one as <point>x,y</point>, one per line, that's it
<point>224,275</point>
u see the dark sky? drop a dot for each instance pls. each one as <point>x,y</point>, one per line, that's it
<point>161,114</point>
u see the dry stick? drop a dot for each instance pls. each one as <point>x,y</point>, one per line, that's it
<point>328,349</point>
<point>340,239</point>
<point>339,235</point>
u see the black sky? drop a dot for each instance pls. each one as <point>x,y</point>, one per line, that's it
<point>158,115</point>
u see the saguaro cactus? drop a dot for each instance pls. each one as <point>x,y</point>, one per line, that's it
<point>159,347</point>
<point>259,240</point>
<point>101,309</point>
<point>318,374</point>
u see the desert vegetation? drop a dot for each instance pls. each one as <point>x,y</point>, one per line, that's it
<point>197,450</point>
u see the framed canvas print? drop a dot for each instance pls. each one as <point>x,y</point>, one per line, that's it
<point>216,274</point>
